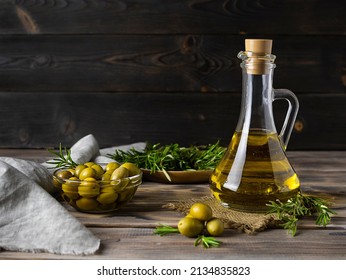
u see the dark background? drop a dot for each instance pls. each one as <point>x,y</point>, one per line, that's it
<point>164,70</point>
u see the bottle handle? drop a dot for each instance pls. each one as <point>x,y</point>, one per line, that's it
<point>292,111</point>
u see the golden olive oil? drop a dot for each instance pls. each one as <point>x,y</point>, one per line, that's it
<point>253,171</point>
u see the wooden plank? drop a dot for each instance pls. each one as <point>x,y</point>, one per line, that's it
<point>332,162</point>
<point>145,210</point>
<point>147,205</point>
<point>172,16</point>
<point>326,161</point>
<point>44,120</point>
<point>173,63</point>
<point>128,233</point>
<point>37,155</point>
<point>129,243</point>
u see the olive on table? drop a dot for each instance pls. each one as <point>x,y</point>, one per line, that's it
<point>215,227</point>
<point>201,211</point>
<point>190,227</point>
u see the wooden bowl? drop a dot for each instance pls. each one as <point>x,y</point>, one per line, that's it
<point>178,177</point>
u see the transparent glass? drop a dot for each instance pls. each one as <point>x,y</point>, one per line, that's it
<point>255,168</point>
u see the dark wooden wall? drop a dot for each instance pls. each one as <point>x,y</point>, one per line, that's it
<point>163,70</point>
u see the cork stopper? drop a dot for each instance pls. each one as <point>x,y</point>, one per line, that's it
<point>260,46</point>
<point>259,50</point>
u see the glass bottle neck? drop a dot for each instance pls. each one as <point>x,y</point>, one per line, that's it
<point>257,97</point>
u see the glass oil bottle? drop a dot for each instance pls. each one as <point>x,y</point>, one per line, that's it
<point>255,168</point>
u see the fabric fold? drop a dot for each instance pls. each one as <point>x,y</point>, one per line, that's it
<point>31,219</point>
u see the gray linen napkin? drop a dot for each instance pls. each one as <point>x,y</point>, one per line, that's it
<point>87,149</point>
<point>31,220</point>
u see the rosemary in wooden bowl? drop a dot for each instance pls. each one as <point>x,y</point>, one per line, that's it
<point>174,163</point>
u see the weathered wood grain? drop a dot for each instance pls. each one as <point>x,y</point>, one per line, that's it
<point>170,63</point>
<point>146,209</point>
<point>156,47</point>
<point>132,243</point>
<point>44,120</point>
<point>172,16</point>
<point>128,233</point>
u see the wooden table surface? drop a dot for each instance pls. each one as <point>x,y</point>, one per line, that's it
<point>128,233</point>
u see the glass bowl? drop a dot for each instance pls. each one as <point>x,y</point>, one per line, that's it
<point>96,195</point>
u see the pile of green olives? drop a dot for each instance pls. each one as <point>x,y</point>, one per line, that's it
<point>200,218</point>
<point>92,187</point>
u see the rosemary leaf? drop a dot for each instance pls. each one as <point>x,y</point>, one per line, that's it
<point>172,157</point>
<point>63,159</point>
<point>164,230</point>
<point>299,206</point>
<point>207,241</point>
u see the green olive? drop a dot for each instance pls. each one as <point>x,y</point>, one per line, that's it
<point>107,189</point>
<point>64,174</point>
<point>89,182</point>
<point>215,227</point>
<point>73,182</point>
<point>120,184</point>
<point>88,192</point>
<point>88,188</point>
<point>99,170</point>
<point>106,176</point>
<point>70,191</point>
<point>79,169</point>
<point>132,168</point>
<point>120,172</point>
<point>72,171</point>
<point>87,172</point>
<point>107,197</point>
<point>127,194</point>
<point>110,167</point>
<point>87,204</point>
<point>201,211</point>
<point>190,227</point>
<point>57,183</point>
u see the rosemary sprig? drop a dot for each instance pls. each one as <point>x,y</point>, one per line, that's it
<point>63,158</point>
<point>164,230</point>
<point>172,157</point>
<point>205,241</point>
<point>298,206</point>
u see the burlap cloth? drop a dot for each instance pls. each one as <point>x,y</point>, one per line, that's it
<point>246,222</point>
